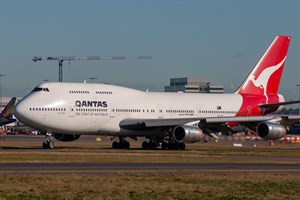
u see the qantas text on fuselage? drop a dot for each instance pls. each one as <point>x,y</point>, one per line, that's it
<point>80,103</point>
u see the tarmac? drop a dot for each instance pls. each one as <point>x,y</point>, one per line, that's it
<point>142,168</point>
<point>282,163</point>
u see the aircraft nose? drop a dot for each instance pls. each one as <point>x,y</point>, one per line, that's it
<point>19,111</point>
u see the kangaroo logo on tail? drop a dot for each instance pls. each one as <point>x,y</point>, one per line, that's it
<point>263,78</point>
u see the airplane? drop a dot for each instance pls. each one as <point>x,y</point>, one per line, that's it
<point>6,113</point>
<point>168,120</point>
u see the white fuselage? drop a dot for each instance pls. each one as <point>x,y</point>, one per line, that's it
<point>79,108</point>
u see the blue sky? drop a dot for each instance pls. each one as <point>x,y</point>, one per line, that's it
<point>221,40</point>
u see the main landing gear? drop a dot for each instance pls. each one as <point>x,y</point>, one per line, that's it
<point>173,145</point>
<point>165,144</point>
<point>48,142</point>
<point>122,144</point>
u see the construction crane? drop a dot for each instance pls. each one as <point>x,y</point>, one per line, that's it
<point>61,59</point>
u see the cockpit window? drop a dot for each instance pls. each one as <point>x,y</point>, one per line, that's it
<point>37,89</point>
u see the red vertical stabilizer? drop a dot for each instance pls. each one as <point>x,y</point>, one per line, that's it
<point>265,77</point>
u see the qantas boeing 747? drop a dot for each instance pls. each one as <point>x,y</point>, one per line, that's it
<point>68,110</point>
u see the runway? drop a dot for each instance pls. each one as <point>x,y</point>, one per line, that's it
<point>23,155</point>
<point>142,168</point>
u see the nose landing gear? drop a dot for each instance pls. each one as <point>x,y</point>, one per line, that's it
<point>48,142</point>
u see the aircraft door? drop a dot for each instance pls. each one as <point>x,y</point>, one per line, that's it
<point>112,111</point>
<point>198,111</point>
<point>249,110</point>
<point>159,111</point>
<point>71,112</point>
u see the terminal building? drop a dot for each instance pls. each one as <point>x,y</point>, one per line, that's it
<point>193,85</point>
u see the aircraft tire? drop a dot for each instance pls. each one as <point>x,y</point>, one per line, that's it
<point>145,145</point>
<point>126,145</point>
<point>120,145</point>
<point>182,146</point>
<point>164,146</point>
<point>48,145</point>
<point>152,145</point>
<point>51,145</point>
<point>171,146</point>
<point>115,145</point>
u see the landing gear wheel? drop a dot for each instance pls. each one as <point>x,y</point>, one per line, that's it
<point>51,145</point>
<point>171,145</point>
<point>145,145</point>
<point>115,145</point>
<point>120,145</point>
<point>164,146</point>
<point>123,144</point>
<point>45,146</point>
<point>126,145</point>
<point>181,146</point>
<point>48,145</point>
<point>152,145</point>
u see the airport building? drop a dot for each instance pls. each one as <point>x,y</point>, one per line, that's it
<point>193,85</point>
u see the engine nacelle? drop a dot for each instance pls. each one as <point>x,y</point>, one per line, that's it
<point>188,134</point>
<point>270,131</point>
<point>65,138</point>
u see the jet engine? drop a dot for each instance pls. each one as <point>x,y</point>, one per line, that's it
<point>65,138</point>
<point>270,131</point>
<point>188,134</point>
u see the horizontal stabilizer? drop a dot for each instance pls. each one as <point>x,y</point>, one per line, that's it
<point>274,105</point>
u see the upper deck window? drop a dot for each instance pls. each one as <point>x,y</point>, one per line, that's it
<point>37,89</point>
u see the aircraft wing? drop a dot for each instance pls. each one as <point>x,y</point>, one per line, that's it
<point>211,124</point>
<point>290,119</point>
<point>143,124</point>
